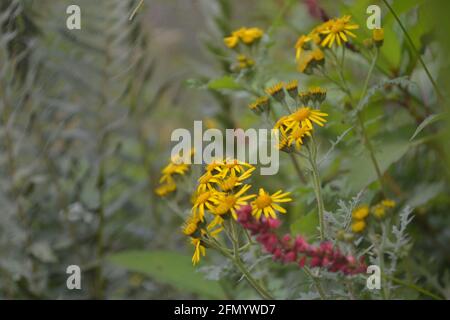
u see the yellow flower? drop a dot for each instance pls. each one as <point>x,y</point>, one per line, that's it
<point>172,169</point>
<point>243,62</point>
<point>379,211</point>
<point>267,204</point>
<point>260,104</point>
<point>250,35</point>
<point>231,41</point>
<point>317,94</point>
<point>226,203</point>
<point>233,181</point>
<point>191,225</point>
<point>388,203</point>
<point>337,30</point>
<point>283,144</point>
<point>378,36</point>
<point>291,87</point>
<point>276,91</point>
<point>301,44</point>
<point>360,212</point>
<point>282,124</point>
<point>304,96</point>
<point>310,60</point>
<point>305,62</point>
<point>318,55</point>
<point>232,166</point>
<point>296,136</point>
<point>203,200</point>
<point>206,181</point>
<point>214,165</point>
<point>166,188</point>
<point>304,117</point>
<point>358,226</point>
<point>198,251</point>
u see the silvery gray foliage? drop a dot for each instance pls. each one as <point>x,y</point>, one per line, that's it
<point>65,112</point>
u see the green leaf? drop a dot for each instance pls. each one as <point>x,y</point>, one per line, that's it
<point>225,82</point>
<point>403,81</point>
<point>425,123</point>
<point>169,267</point>
<point>306,225</point>
<point>362,172</point>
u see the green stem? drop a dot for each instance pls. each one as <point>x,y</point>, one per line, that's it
<point>366,138</point>
<point>414,48</point>
<point>414,287</point>
<point>299,172</point>
<point>236,258</point>
<point>316,283</point>
<point>317,186</point>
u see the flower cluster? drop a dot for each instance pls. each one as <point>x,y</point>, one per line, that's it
<point>177,166</point>
<point>242,62</point>
<point>360,214</point>
<point>297,250</point>
<point>334,31</point>
<point>246,35</point>
<point>298,125</point>
<point>221,191</point>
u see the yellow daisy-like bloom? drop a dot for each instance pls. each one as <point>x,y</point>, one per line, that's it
<point>260,104</point>
<point>191,225</point>
<point>232,166</point>
<point>318,55</point>
<point>305,62</point>
<point>292,87</point>
<point>233,181</point>
<point>199,250</point>
<point>172,169</point>
<point>215,165</point>
<point>283,144</point>
<point>317,94</point>
<point>227,203</point>
<point>338,30</point>
<point>300,45</point>
<point>358,226</point>
<point>282,124</point>
<point>310,60</point>
<point>203,200</point>
<point>250,35</point>
<point>205,181</point>
<point>276,91</point>
<point>296,136</point>
<point>388,203</point>
<point>360,212</point>
<point>267,204</point>
<point>304,117</point>
<point>231,41</point>
<point>166,188</point>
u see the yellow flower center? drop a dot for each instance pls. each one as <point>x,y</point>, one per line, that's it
<point>229,183</point>
<point>227,203</point>
<point>263,201</point>
<point>338,27</point>
<point>301,114</point>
